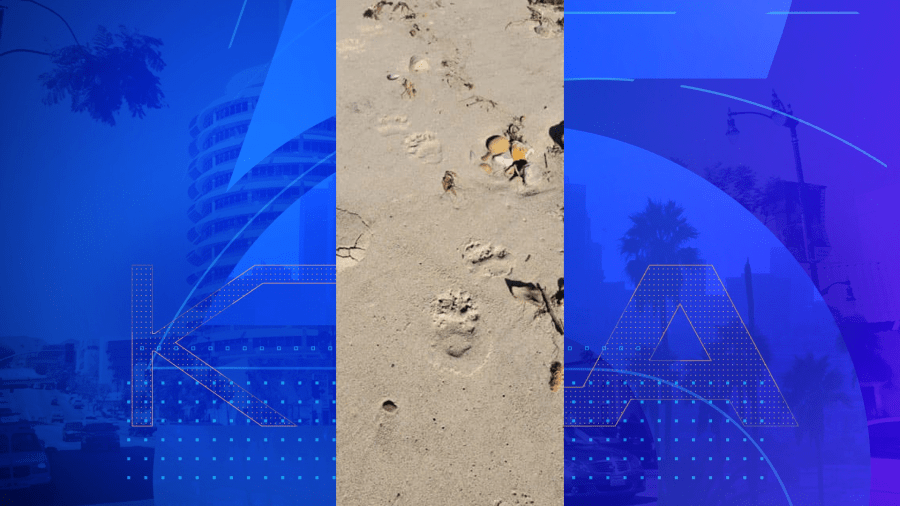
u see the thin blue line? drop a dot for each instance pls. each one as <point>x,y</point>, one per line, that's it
<point>236,25</point>
<point>598,79</point>
<point>787,115</point>
<point>241,231</point>
<point>710,403</point>
<point>812,12</point>
<point>619,12</point>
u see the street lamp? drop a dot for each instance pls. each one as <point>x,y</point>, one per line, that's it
<point>783,116</point>
<point>850,297</point>
<point>732,131</point>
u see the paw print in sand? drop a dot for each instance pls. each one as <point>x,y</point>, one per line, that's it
<point>424,146</point>
<point>456,343</point>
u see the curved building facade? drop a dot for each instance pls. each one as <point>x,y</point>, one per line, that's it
<point>219,214</point>
<point>218,217</point>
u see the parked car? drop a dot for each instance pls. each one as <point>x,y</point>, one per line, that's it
<point>72,431</point>
<point>54,402</point>
<point>595,471</point>
<point>100,436</point>
<point>23,461</point>
<point>78,404</point>
<point>57,416</point>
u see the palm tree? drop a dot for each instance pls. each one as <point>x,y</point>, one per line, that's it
<point>102,74</point>
<point>658,235</point>
<point>809,387</point>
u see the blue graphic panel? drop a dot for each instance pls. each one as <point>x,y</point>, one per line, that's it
<point>300,86</point>
<point>669,39</point>
<point>209,379</point>
<point>677,296</point>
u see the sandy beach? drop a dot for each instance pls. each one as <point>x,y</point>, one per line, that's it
<point>449,253</point>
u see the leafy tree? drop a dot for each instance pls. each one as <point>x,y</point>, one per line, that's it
<point>741,184</point>
<point>114,68</point>
<point>99,76</point>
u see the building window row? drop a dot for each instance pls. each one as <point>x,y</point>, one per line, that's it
<point>228,155</point>
<point>276,169</point>
<point>260,171</point>
<point>267,194</point>
<point>291,146</point>
<point>225,111</point>
<point>225,133</point>
<point>232,109</point>
<point>216,181</point>
<point>233,223</point>
<point>228,223</point>
<point>263,195</point>
<point>318,146</point>
<point>230,199</point>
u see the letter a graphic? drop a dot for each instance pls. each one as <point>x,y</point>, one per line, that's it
<point>640,365</point>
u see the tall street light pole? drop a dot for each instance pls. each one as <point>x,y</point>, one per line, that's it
<point>781,118</point>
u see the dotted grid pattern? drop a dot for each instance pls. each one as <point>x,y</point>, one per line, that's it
<point>190,454</point>
<point>146,342</point>
<point>696,454</point>
<point>735,373</point>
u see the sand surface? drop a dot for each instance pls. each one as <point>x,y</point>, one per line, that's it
<point>449,301</point>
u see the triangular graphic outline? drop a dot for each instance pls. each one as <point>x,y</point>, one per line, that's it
<point>663,336</point>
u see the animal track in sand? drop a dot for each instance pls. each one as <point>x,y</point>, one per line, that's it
<point>424,146</point>
<point>353,237</point>
<point>386,424</point>
<point>392,125</point>
<point>456,343</point>
<point>349,46</point>
<point>454,314</point>
<point>487,259</point>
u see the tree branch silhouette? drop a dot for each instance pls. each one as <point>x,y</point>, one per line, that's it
<point>11,51</point>
<point>57,15</point>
